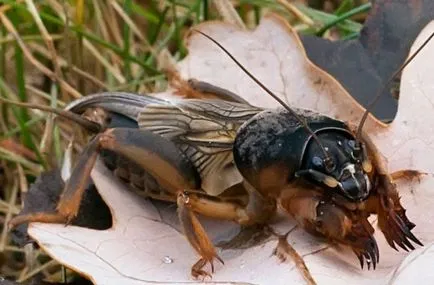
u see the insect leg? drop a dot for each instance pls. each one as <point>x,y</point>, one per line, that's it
<point>284,250</point>
<point>255,212</point>
<point>69,203</point>
<point>221,93</point>
<point>197,237</point>
<point>190,204</point>
<point>392,219</point>
<point>156,155</point>
<point>407,175</point>
<point>323,218</point>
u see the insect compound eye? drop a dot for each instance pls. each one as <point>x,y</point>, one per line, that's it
<point>317,162</point>
<point>345,174</point>
<point>356,154</point>
<point>355,149</point>
<point>329,164</point>
<point>352,144</point>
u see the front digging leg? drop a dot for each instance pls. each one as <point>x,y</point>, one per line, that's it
<point>338,225</point>
<point>392,218</point>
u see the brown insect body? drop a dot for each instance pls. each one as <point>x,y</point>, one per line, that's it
<point>229,160</point>
<point>183,151</point>
<point>208,136</point>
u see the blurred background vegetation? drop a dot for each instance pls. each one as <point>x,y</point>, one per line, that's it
<point>54,51</point>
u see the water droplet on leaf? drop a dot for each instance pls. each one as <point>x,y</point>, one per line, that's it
<point>167,259</point>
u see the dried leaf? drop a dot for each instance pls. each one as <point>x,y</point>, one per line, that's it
<point>141,248</point>
<point>383,45</point>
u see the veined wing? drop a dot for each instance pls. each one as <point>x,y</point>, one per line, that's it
<point>205,131</point>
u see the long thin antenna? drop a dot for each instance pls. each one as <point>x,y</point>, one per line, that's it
<point>380,92</point>
<point>280,101</point>
<point>89,125</point>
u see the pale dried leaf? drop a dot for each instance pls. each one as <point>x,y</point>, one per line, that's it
<point>132,252</point>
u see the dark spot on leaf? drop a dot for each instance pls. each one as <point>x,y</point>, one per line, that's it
<point>43,196</point>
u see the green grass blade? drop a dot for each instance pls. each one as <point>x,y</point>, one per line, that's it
<point>361,9</point>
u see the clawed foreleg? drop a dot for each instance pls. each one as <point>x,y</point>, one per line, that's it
<point>322,217</point>
<point>392,218</point>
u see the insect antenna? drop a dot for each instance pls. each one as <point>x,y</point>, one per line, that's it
<point>89,125</point>
<point>380,91</point>
<point>327,159</point>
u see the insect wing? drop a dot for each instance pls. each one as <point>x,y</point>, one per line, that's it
<point>205,131</point>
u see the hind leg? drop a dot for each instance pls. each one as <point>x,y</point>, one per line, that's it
<point>156,155</point>
<point>216,91</point>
